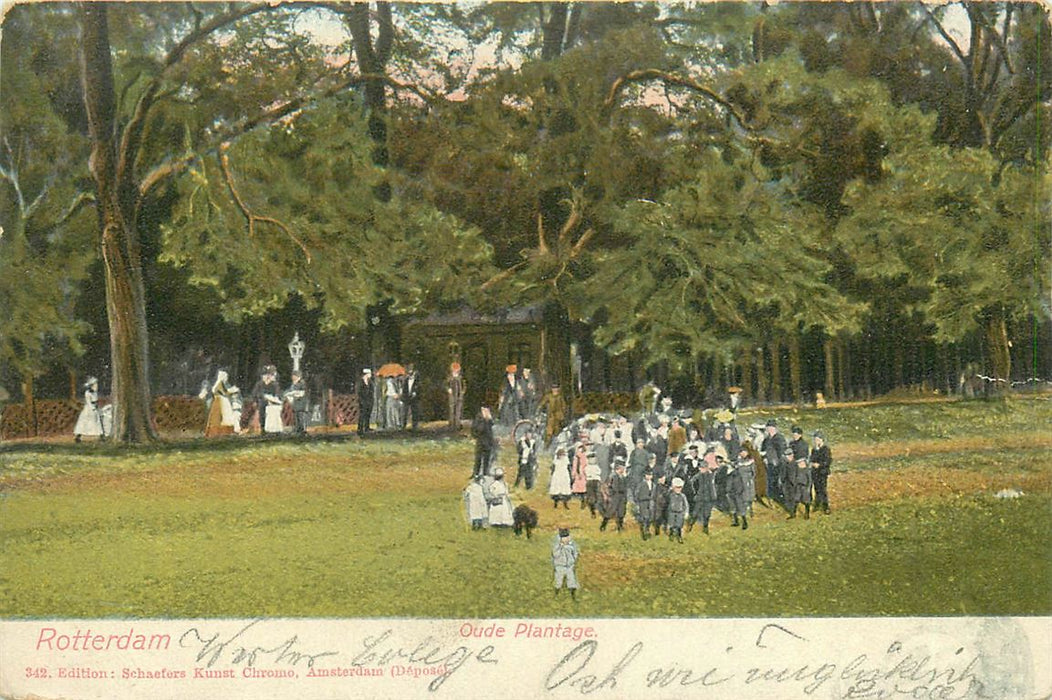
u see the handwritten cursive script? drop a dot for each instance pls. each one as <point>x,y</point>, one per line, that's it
<point>379,650</point>
<point>784,663</point>
<point>236,650</point>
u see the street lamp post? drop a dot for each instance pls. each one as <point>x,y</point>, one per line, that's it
<point>296,348</point>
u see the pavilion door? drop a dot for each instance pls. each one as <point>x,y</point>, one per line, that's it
<point>475,364</point>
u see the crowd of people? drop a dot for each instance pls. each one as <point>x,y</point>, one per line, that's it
<point>665,472</point>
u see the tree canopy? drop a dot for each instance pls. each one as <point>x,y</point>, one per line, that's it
<point>702,183</point>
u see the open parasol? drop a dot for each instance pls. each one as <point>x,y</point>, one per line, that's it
<point>391,369</point>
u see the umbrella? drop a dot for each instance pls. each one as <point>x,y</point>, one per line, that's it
<point>391,369</point>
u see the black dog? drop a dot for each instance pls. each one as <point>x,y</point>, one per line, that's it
<point>525,517</point>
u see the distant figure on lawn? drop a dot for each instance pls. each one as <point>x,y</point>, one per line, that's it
<point>821,462</point>
<point>365,389</point>
<point>482,431</point>
<point>499,501</point>
<point>456,388</point>
<point>559,487</point>
<point>297,396</point>
<point>475,503</point>
<point>268,401</point>
<point>221,419</point>
<point>564,558</point>
<point>89,422</point>
<point>527,447</point>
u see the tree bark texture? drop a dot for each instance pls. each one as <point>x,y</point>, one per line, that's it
<point>775,387</point>
<point>121,255</point>
<point>794,367</point>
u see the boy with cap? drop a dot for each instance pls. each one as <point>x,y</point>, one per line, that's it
<point>645,503</point>
<point>617,497</point>
<point>677,510</point>
<point>564,558</point>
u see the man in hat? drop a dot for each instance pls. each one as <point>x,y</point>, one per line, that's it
<point>265,393</point>
<point>821,462</point>
<point>564,559</point>
<point>482,431</point>
<point>661,497</point>
<point>511,396</point>
<point>527,449</point>
<point>737,488</point>
<point>297,396</point>
<point>645,503</point>
<point>456,388</point>
<point>678,509</point>
<point>796,486</point>
<point>705,490</point>
<point>773,451</point>
<point>365,390</point>
<point>617,497</point>
<point>411,397</point>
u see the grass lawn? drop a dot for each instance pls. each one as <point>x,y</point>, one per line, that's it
<point>346,528</point>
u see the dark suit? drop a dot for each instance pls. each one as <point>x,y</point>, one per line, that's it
<point>411,400</point>
<point>366,394</point>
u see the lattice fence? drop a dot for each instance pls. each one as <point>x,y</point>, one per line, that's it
<point>343,409</point>
<point>171,414</point>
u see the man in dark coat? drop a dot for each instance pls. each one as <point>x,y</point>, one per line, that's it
<point>266,386</point>
<point>482,431</point>
<point>512,395</point>
<point>796,481</point>
<point>617,497</point>
<point>821,462</point>
<point>661,497</point>
<point>527,448</point>
<point>411,398</point>
<point>773,450</point>
<point>704,494</point>
<point>638,462</point>
<point>645,503</point>
<point>366,394</point>
<point>456,389</point>
<point>297,396</point>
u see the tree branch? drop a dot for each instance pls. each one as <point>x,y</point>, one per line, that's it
<point>946,36</point>
<point>542,245</point>
<point>132,134</point>
<point>503,275</point>
<point>253,219</point>
<point>670,79</point>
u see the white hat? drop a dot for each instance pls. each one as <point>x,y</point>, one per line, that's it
<point>367,371</point>
<point>677,482</point>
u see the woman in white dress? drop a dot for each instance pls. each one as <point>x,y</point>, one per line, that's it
<point>499,502</point>
<point>559,487</point>
<point>89,422</point>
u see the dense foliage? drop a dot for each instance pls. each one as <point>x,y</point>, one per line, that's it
<point>859,189</point>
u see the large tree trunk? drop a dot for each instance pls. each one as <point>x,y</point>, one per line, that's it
<point>827,350</point>
<point>998,350</point>
<point>761,378</point>
<point>747,375</point>
<point>372,61</point>
<point>125,293</point>
<point>775,394</point>
<point>794,367</point>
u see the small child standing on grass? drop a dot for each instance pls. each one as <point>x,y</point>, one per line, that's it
<point>564,557</point>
